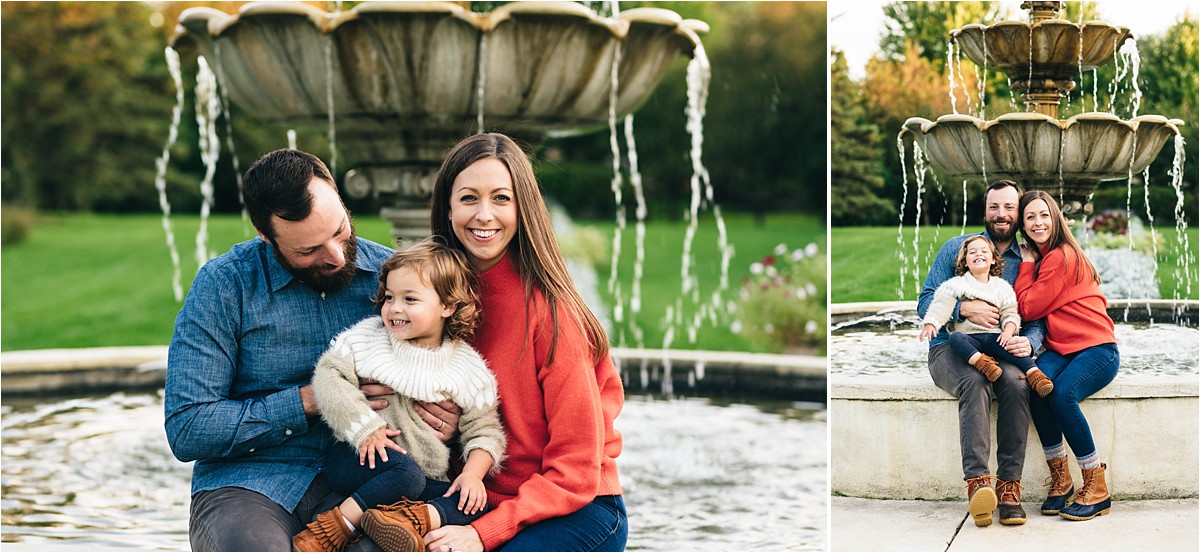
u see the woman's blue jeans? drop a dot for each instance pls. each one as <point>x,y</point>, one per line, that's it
<point>601,525</point>
<point>398,478</point>
<point>1075,376</point>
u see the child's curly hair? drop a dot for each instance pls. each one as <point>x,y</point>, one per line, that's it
<point>446,270</point>
<point>960,263</point>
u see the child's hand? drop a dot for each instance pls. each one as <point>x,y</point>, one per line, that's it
<point>473,497</point>
<point>927,332</point>
<point>378,443</point>
<point>1005,337</point>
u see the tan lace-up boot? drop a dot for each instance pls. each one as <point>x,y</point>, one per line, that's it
<point>1011,511</point>
<point>982,499</point>
<point>1061,486</point>
<point>1092,500</point>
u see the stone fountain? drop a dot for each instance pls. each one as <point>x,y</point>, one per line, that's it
<point>402,82</point>
<point>1036,148</point>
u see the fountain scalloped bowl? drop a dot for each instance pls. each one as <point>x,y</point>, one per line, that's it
<point>1037,149</point>
<point>1007,43</point>
<point>406,74</point>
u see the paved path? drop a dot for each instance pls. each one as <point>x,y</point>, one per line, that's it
<point>879,525</point>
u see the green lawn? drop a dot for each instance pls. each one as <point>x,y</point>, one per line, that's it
<point>661,284</point>
<point>865,265</point>
<point>84,280</point>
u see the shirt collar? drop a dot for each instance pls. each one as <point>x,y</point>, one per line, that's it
<point>1013,248</point>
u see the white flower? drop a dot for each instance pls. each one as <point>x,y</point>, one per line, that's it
<point>812,290</point>
<point>801,293</point>
<point>797,254</point>
<point>768,328</point>
<point>744,294</point>
<point>756,268</point>
<point>781,249</point>
<point>735,327</point>
<point>772,271</point>
<point>811,249</point>
<point>810,327</point>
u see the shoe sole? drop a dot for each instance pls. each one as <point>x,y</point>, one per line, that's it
<point>389,537</point>
<point>1012,521</point>
<point>1075,517</point>
<point>981,506</point>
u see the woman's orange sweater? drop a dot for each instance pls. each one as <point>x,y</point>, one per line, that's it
<point>558,417</point>
<point>1076,312</point>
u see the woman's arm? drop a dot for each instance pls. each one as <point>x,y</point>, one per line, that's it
<point>1036,298</point>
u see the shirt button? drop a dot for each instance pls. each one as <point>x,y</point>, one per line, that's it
<point>288,432</point>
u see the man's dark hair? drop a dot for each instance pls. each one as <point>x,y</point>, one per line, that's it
<point>277,184</point>
<point>1002,183</point>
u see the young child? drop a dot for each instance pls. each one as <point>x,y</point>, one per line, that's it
<point>978,269</point>
<point>428,307</point>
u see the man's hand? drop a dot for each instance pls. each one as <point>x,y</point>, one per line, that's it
<point>1019,346</point>
<point>309,401</point>
<point>442,417</point>
<point>980,312</point>
<point>372,388</point>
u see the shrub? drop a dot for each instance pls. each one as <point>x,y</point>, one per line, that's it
<point>15,223</point>
<point>781,304</point>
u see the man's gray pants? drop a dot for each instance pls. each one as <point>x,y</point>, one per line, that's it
<point>952,374</point>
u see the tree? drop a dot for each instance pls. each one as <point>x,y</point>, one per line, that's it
<point>86,98</point>
<point>857,166</point>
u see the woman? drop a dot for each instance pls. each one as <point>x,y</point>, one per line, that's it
<point>559,390</point>
<point>1058,283</point>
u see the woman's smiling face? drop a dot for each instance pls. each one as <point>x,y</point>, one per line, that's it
<point>483,212</point>
<point>1037,222</point>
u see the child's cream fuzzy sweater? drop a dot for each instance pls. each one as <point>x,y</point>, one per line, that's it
<point>995,291</point>
<point>454,371</point>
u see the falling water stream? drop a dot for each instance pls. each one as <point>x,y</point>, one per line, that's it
<point>160,176</point>
<point>208,109</point>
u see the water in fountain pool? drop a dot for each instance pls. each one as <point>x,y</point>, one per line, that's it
<point>868,350</point>
<point>96,473</point>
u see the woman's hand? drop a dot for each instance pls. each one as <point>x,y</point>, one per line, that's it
<point>473,496</point>
<point>378,443</point>
<point>453,538</point>
<point>1027,255</point>
<point>442,417</point>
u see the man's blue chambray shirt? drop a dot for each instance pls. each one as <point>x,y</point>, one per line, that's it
<point>248,336</point>
<point>943,270</point>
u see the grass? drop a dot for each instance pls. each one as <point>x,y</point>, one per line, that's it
<point>87,280</point>
<point>84,280</point>
<point>865,265</point>
<point>661,283</point>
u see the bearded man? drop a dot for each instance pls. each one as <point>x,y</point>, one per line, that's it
<point>256,319</point>
<point>972,389</point>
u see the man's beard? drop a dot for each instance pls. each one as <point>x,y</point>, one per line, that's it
<point>318,276</point>
<point>998,236</point>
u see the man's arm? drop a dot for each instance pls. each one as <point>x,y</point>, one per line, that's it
<point>203,420</point>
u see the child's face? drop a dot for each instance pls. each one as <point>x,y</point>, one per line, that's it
<point>979,257</point>
<point>412,309</point>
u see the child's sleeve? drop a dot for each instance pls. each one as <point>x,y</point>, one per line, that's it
<point>941,308</point>
<point>1008,304</point>
<point>342,404</point>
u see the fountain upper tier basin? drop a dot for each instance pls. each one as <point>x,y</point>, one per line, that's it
<point>1060,49</point>
<point>406,74</point>
<point>1039,150</point>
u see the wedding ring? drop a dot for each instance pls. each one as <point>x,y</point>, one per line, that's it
<point>449,546</point>
<point>442,423</point>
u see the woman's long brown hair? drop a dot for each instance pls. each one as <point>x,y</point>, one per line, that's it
<point>535,251</point>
